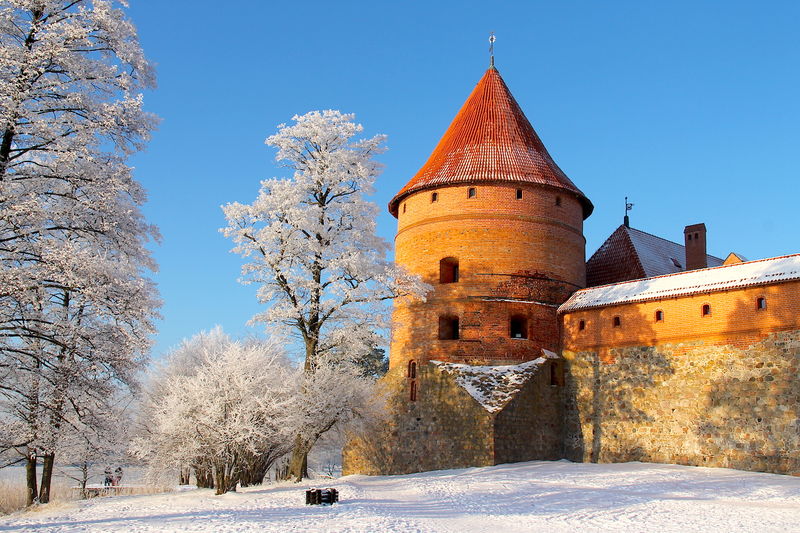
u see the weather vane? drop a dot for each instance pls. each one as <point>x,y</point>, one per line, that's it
<point>628,207</point>
<point>491,48</point>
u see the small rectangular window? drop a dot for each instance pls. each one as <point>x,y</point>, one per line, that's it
<point>472,192</point>
<point>581,325</point>
<point>659,316</point>
<point>519,194</point>
<point>448,328</point>
<point>617,322</point>
<point>518,327</point>
<point>556,374</point>
<point>448,270</point>
<point>761,303</point>
<point>434,197</point>
<point>706,310</point>
<point>558,201</point>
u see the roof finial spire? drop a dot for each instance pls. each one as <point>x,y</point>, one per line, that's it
<point>628,207</point>
<point>491,49</point>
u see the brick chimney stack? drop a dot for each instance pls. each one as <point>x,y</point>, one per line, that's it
<point>695,241</point>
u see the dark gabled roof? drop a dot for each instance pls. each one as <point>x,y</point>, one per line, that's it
<point>633,254</point>
<point>490,140</point>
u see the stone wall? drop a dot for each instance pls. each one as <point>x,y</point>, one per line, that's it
<point>446,428</point>
<point>698,402</point>
<point>530,427</point>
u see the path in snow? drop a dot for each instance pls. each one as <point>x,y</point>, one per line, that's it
<point>558,496</point>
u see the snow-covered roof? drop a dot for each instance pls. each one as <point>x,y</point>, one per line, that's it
<point>765,271</point>
<point>493,386</point>
<point>629,253</point>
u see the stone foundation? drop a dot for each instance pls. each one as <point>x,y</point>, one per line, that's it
<point>692,403</point>
<point>447,428</point>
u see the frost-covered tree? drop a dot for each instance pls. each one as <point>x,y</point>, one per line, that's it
<point>231,410</point>
<point>311,246</point>
<point>76,311</point>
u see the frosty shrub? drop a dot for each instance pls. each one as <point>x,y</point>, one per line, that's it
<point>220,407</point>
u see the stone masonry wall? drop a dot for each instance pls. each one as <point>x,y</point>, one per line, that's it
<point>695,402</point>
<point>447,428</point>
<point>530,427</point>
<point>444,428</point>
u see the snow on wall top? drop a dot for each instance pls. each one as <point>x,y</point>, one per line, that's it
<point>493,386</point>
<point>761,272</point>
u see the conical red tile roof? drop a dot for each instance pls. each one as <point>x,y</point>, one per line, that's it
<point>490,140</point>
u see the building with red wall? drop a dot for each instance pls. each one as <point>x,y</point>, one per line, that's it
<point>668,356</point>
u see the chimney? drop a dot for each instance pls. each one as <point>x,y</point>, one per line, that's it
<point>695,242</point>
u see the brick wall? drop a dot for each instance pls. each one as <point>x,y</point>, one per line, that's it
<point>530,250</point>
<point>733,318</point>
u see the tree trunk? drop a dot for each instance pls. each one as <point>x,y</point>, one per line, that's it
<point>185,476</point>
<point>298,464</point>
<point>204,477</point>
<point>47,476</point>
<point>30,476</point>
<point>84,479</point>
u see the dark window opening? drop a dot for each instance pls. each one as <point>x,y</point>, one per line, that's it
<point>689,236</point>
<point>706,310</point>
<point>761,303</point>
<point>659,316</point>
<point>472,192</point>
<point>412,393</point>
<point>519,194</point>
<point>448,270</point>
<point>412,369</point>
<point>519,327</point>
<point>556,375</point>
<point>448,328</point>
<point>558,200</point>
<point>617,322</point>
<point>696,236</point>
<point>434,196</point>
<point>581,325</point>
<point>404,208</point>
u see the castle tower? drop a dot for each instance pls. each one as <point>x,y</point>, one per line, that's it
<point>496,227</point>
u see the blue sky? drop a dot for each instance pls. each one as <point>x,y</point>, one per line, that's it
<point>689,108</point>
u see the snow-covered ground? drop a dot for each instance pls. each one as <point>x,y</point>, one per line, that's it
<point>535,496</point>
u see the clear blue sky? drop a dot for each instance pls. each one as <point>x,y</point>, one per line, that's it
<point>692,109</point>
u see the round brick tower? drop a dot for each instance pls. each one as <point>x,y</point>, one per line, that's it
<point>494,225</point>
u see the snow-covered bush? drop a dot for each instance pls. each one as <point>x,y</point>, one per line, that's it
<point>222,407</point>
<point>227,410</point>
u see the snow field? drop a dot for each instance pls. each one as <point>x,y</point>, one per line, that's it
<point>553,496</point>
